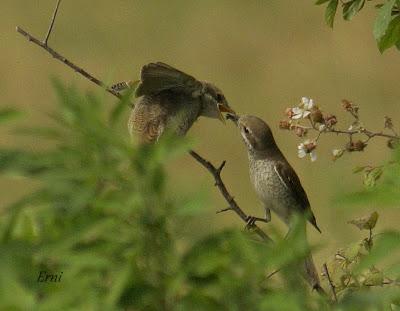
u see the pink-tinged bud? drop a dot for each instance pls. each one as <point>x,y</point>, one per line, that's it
<point>330,120</point>
<point>300,131</point>
<point>316,115</point>
<point>356,146</point>
<point>347,105</point>
<point>310,146</point>
<point>388,122</point>
<point>284,124</point>
<point>289,112</point>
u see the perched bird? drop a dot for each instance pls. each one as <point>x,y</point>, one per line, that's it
<point>170,100</point>
<point>275,181</point>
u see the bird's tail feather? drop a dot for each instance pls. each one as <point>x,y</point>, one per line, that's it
<point>311,274</point>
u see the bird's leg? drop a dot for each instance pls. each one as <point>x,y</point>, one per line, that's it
<point>120,86</point>
<point>251,220</point>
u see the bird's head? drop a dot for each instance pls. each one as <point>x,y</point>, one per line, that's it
<point>255,133</point>
<point>214,102</point>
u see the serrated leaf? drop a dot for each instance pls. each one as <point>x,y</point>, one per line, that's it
<point>383,19</point>
<point>371,176</point>
<point>330,12</point>
<point>358,169</point>
<point>373,277</point>
<point>318,2</point>
<point>386,243</point>
<point>366,222</point>
<point>391,36</point>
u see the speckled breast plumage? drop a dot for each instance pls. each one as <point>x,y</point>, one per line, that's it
<point>270,189</point>
<point>152,115</point>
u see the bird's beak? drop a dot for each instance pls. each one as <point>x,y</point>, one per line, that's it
<point>233,117</point>
<point>224,108</point>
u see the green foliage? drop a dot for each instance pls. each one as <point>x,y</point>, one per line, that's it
<point>382,184</point>
<point>101,215</point>
<point>386,28</point>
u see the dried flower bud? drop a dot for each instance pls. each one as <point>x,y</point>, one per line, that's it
<point>393,143</point>
<point>300,131</point>
<point>284,124</point>
<point>289,112</point>
<point>358,145</point>
<point>330,120</point>
<point>346,104</point>
<point>316,115</point>
<point>388,122</point>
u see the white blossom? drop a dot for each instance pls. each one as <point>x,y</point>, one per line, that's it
<point>307,147</point>
<point>304,108</point>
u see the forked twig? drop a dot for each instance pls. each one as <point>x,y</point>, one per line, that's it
<point>216,172</point>
<point>53,19</point>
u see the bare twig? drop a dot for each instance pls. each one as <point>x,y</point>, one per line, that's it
<point>216,173</point>
<point>67,62</point>
<point>224,210</point>
<point>331,285</point>
<point>46,39</point>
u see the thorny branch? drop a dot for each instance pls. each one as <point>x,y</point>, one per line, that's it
<point>216,172</point>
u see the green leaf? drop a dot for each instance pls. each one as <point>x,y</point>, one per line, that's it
<point>371,176</point>
<point>392,35</point>
<point>383,19</point>
<point>351,8</point>
<point>386,243</point>
<point>318,2</point>
<point>330,12</point>
<point>358,169</point>
<point>8,114</point>
<point>367,222</point>
<point>373,277</point>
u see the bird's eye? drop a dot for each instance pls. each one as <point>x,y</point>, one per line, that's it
<point>246,130</point>
<point>220,98</point>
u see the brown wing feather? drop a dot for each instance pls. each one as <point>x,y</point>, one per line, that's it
<point>292,182</point>
<point>159,77</point>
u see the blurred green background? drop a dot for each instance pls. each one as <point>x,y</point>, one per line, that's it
<point>264,55</point>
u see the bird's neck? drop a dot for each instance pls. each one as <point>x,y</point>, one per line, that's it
<point>270,153</point>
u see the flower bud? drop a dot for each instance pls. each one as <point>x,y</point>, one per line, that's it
<point>388,122</point>
<point>300,131</point>
<point>347,105</point>
<point>330,120</point>
<point>284,125</point>
<point>289,112</point>
<point>316,116</point>
<point>356,146</point>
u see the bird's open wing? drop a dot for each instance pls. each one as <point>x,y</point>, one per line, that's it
<point>292,182</point>
<point>158,77</point>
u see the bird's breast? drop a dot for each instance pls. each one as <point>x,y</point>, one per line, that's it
<point>270,188</point>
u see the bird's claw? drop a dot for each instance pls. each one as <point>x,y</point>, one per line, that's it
<point>250,222</point>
